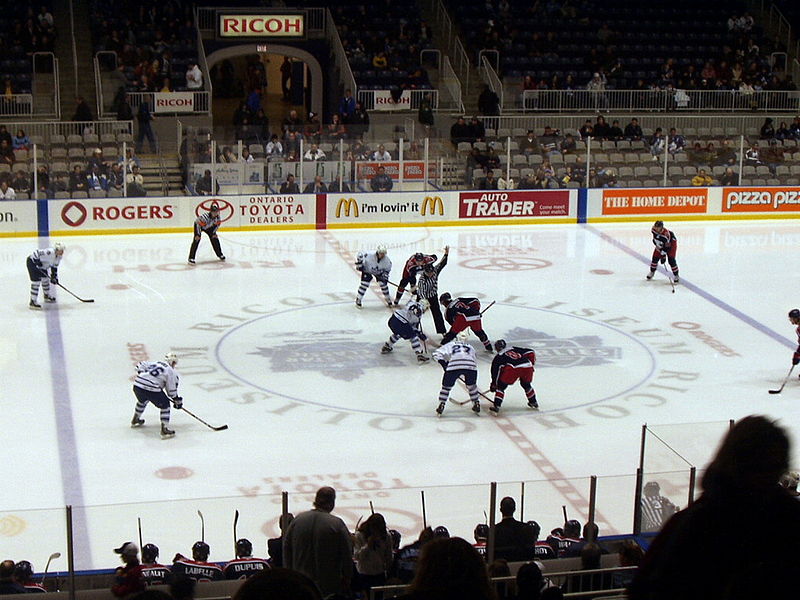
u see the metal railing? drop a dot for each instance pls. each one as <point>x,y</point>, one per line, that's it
<point>339,55</point>
<point>201,102</point>
<point>490,76</point>
<point>46,63</point>
<point>449,79</point>
<point>16,105</point>
<point>573,101</point>
<point>111,56</point>
<point>368,98</point>
<point>47,129</point>
<point>203,64</point>
<point>453,46</point>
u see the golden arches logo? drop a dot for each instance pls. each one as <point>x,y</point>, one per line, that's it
<point>430,204</point>
<point>12,525</point>
<point>346,205</point>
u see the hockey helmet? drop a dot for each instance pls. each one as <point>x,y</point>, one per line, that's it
<point>149,553</point>
<point>214,207</point>
<point>59,248</point>
<point>244,548</point>
<point>429,269</point>
<point>23,571</point>
<point>419,256</point>
<point>499,345</point>
<point>441,532</point>
<point>481,531</point>
<point>534,527</point>
<point>572,528</point>
<point>462,336</point>
<point>200,551</point>
<point>794,313</point>
<point>396,537</point>
<point>381,249</point>
<point>415,308</point>
<point>171,358</point>
<point>445,299</point>
<point>658,224</point>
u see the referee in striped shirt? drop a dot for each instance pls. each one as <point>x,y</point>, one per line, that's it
<point>428,289</point>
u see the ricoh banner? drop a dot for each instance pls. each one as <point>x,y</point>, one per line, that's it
<point>354,210</point>
<point>173,102</point>
<point>262,25</point>
<point>18,217</point>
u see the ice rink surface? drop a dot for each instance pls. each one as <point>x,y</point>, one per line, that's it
<point>271,344</point>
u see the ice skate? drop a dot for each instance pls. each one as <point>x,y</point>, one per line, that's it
<point>33,305</point>
<point>422,358</point>
<point>650,275</point>
<point>221,257</point>
<point>386,348</point>
<point>677,279</point>
<point>191,261</point>
<point>49,299</point>
<point>476,407</point>
<point>358,302</point>
<point>532,403</point>
<point>166,432</point>
<point>440,409</point>
<point>136,422</point>
<point>494,409</point>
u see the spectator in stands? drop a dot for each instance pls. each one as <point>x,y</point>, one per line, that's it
<point>335,188</point>
<point>729,177</point>
<point>601,128</point>
<point>275,545</point>
<point>450,568</point>
<point>21,183</point>
<point>587,130</point>
<point>60,184</point>
<point>182,588</point>
<point>489,182</point>
<point>194,77</point>
<point>226,156</point>
<point>5,136</point>
<point>8,582</point>
<point>633,131</point>
<point>77,180</point>
<point>530,582</point>
<point>7,192</point>
<point>129,160</point>
<point>630,555</point>
<point>124,110</point>
<point>42,181</point>
<point>700,553</point>
<point>406,558</point>
<point>347,105</point>
<point>6,153</point>
<point>358,122</point>
<point>21,141</point>
<point>794,129</point>
<point>512,539</point>
<point>135,183</point>
<point>314,153</point>
<point>702,179</point>
<point>145,118</point>
<point>488,102</point>
<point>460,132</point>
<point>286,76</point>
<point>335,130</point>
<point>96,180</point>
<point>82,110</point>
<point>590,560</point>
<point>477,130</point>
<point>572,175</point>
<point>772,156</point>
<point>289,186</point>
<point>274,148</point>
<point>313,128</point>
<point>116,177</point>
<point>676,142</point>
<point>767,130</point>
<point>381,182</point>
<point>568,145</point>
<point>425,114</point>
<point>278,584</point>
<point>316,187</point>
<point>372,551</point>
<point>752,156</point>
<point>128,579</point>
<point>615,132</point>
<point>530,145</point>
<point>492,159</point>
<point>656,509</point>
<point>697,154</point>
<point>657,144</point>
<point>606,177</point>
<point>783,133</point>
<point>414,152</point>
<point>203,186</point>
<point>318,544</point>
<point>292,124</point>
<point>97,160</point>
<point>381,154</point>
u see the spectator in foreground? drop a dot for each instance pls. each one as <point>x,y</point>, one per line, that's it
<point>128,579</point>
<point>275,545</point>
<point>316,187</point>
<point>278,584</point>
<point>702,554</point>
<point>135,182</point>
<point>450,569</point>
<point>289,186</point>
<point>372,551</point>
<point>512,538</point>
<point>702,179</point>
<point>489,182</point>
<point>9,583</point>
<point>729,177</point>
<point>381,182</point>
<point>318,545</point>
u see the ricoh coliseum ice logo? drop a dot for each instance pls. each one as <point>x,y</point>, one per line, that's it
<point>295,354</point>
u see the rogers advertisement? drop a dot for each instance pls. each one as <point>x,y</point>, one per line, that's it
<point>639,201</point>
<point>499,204</point>
<point>751,199</point>
<point>113,213</point>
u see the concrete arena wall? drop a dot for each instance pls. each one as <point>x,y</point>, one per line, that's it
<point>395,209</point>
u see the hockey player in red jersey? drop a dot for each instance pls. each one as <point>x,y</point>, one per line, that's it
<point>512,364</point>
<point>666,246</point>
<point>198,568</point>
<point>794,319</point>
<point>462,313</point>
<point>413,267</point>
<point>153,572</point>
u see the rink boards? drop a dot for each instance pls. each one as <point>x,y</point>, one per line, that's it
<point>424,208</point>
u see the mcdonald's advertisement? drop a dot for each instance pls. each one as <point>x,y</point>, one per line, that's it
<point>509,204</point>
<point>403,207</point>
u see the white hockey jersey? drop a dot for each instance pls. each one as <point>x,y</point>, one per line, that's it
<point>367,262</point>
<point>45,258</point>
<point>457,355</point>
<point>157,376</point>
<point>407,314</point>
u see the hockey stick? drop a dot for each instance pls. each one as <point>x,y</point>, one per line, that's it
<point>564,510</point>
<point>191,414</point>
<point>53,556</point>
<point>780,389</point>
<point>71,294</point>
<point>671,280</point>
<point>371,508</point>
<point>139,523</point>
<point>488,307</point>
<point>480,393</point>
<point>202,526</point>
<point>235,523</point>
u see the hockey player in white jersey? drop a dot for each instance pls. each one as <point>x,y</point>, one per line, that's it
<point>458,361</point>
<point>42,267</point>
<point>374,264</point>
<point>157,382</point>
<point>405,323</point>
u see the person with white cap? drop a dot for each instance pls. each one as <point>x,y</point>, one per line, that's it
<point>128,578</point>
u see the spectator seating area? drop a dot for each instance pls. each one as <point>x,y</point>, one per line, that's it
<point>630,162</point>
<point>684,44</point>
<point>383,43</point>
<point>154,41</point>
<point>25,28</point>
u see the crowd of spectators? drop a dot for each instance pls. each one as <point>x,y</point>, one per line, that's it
<point>383,43</point>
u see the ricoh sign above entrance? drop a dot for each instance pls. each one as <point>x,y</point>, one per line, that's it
<point>262,26</point>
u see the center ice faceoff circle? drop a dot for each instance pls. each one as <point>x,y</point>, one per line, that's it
<point>322,355</point>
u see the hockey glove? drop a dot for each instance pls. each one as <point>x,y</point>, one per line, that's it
<point>177,402</point>
<point>422,336</point>
<point>663,258</point>
<point>54,275</point>
<point>444,364</point>
<point>795,359</point>
<point>493,388</point>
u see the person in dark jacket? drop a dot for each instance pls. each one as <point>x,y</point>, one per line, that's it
<point>512,539</point>
<point>144,116</point>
